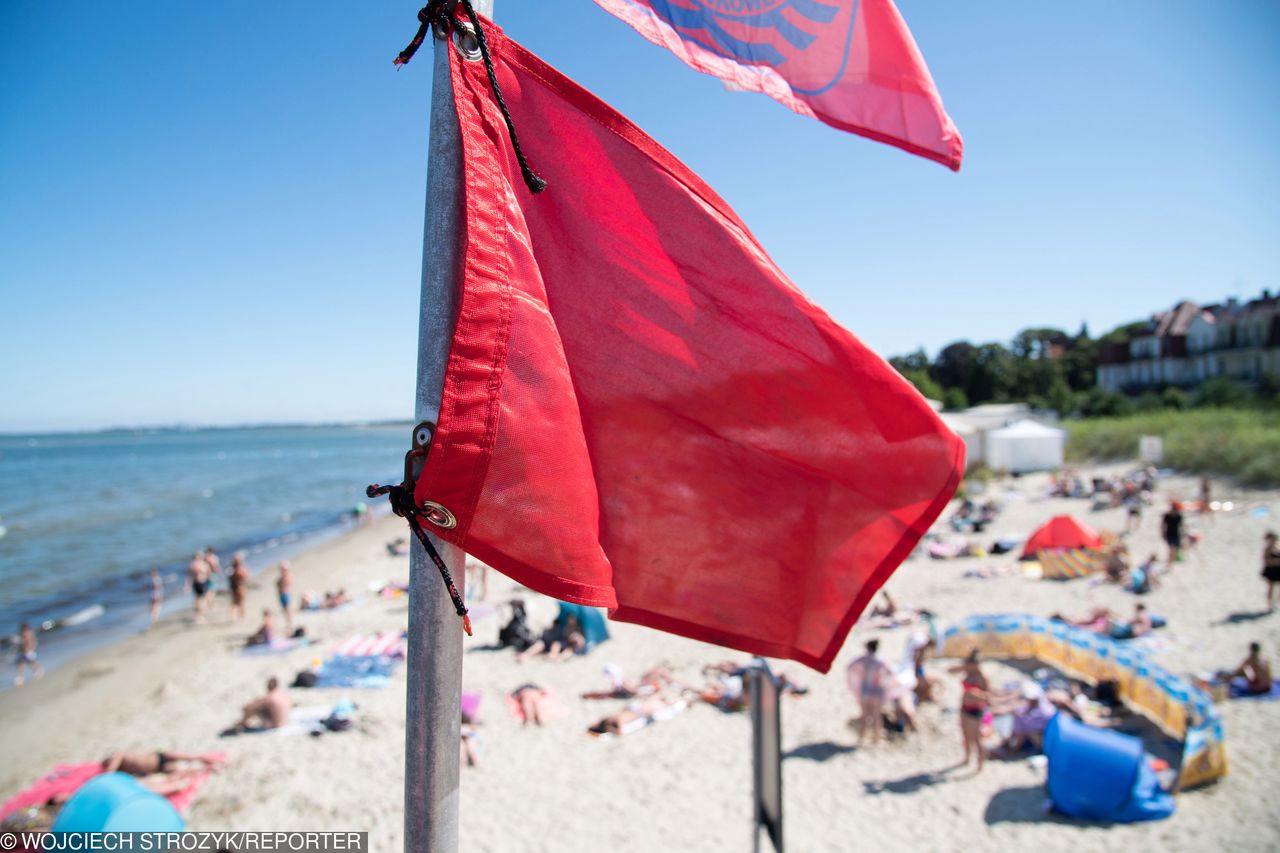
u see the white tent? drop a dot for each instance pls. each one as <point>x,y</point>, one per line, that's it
<point>1025,446</point>
<point>971,435</point>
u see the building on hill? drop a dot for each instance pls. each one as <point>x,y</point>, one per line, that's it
<point>1191,343</point>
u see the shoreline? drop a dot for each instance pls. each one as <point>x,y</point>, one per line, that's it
<point>124,617</point>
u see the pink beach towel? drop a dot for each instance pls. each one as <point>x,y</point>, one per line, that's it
<point>552,709</point>
<point>66,779</point>
<point>373,645</point>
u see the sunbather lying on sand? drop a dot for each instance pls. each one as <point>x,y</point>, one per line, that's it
<point>532,700</point>
<point>637,715</point>
<point>161,761</point>
<point>266,712</point>
<point>329,601</point>
<point>651,682</point>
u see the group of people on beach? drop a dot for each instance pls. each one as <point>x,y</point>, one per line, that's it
<point>205,573</point>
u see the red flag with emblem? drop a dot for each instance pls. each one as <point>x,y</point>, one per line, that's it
<point>641,412</point>
<point>849,63</point>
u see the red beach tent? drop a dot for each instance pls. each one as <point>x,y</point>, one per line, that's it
<point>1061,532</point>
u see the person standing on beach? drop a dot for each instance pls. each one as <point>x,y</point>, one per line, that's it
<point>198,582</point>
<point>238,581</point>
<point>26,660</point>
<point>1271,568</point>
<point>869,680</point>
<point>215,566</point>
<point>157,595</point>
<point>974,701</point>
<point>284,584</point>
<point>1171,527</point>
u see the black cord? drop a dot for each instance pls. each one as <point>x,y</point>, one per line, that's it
<point>402,503</point>
<point>436,14</point>
<point>535,183</point>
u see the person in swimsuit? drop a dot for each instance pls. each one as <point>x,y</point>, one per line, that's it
<point>869,679</point>
<point>1171,528</point>
<point>1255,670</point>
<point>975,699</point>
<point>265,633</point>
<point>160,761</point>
<point>530,697</point>
<point>26,659</point>
<point>157,595</point>
<point>198,582</point>
<point>266,712</point>
<point>1271,568</point>
<point>215,566</point>
<point>238,581</point>
<point>284,584</point>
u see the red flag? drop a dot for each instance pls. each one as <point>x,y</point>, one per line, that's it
<point>849,63</point>
<point>641,412</point>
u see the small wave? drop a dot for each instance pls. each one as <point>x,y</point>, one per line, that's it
<point>207,493</point>
<point>93,611</point>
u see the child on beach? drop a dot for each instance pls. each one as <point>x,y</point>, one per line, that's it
<point>238,581</point>
<point>26,660</point>
<point>284,584</point>
<point>869,679</point>
<point>157,595</point>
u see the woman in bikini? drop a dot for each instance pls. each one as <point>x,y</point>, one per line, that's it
<point>1271,568</point>
<point>973,706</point>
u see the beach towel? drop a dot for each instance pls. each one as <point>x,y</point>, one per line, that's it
<point>370,673</point>
<point>640,411</point>
<point>373,645</point>
<point>1069,563</point>
<point>65,779</point>
<point>552,708</point>
<point>1239,689</point>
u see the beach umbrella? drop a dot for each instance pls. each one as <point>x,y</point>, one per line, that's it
<point>1061,532</point>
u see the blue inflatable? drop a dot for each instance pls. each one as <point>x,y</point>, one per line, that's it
<point>1095,774</point>
<point>115,802</point>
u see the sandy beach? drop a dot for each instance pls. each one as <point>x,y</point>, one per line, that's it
<point>684,782</point>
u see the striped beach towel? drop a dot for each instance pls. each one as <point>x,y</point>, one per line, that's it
<point>1070,563</point>
<point>373,645</point>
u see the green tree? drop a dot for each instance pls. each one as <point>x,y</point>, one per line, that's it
<point>917,360</point>
<point>924,384</point>
<point>954,399</point>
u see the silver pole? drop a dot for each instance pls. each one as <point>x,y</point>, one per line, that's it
<point>432,721</point>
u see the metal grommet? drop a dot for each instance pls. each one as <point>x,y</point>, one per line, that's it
<point>439,515</point>
<point>464,39</point>
<point>423,433</point>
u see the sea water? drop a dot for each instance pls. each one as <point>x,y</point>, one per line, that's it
<point>84,517</point>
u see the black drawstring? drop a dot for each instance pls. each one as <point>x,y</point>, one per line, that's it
<point>435,13</point>
<point>402,503</point>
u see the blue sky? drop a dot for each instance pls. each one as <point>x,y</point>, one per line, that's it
<point>212,213</point>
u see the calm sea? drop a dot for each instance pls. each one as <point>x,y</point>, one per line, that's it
<point>83,517</point>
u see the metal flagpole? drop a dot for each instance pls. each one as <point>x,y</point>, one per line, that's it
<point>432,722</point>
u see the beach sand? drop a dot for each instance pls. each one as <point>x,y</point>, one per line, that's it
<point>683,783</point>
